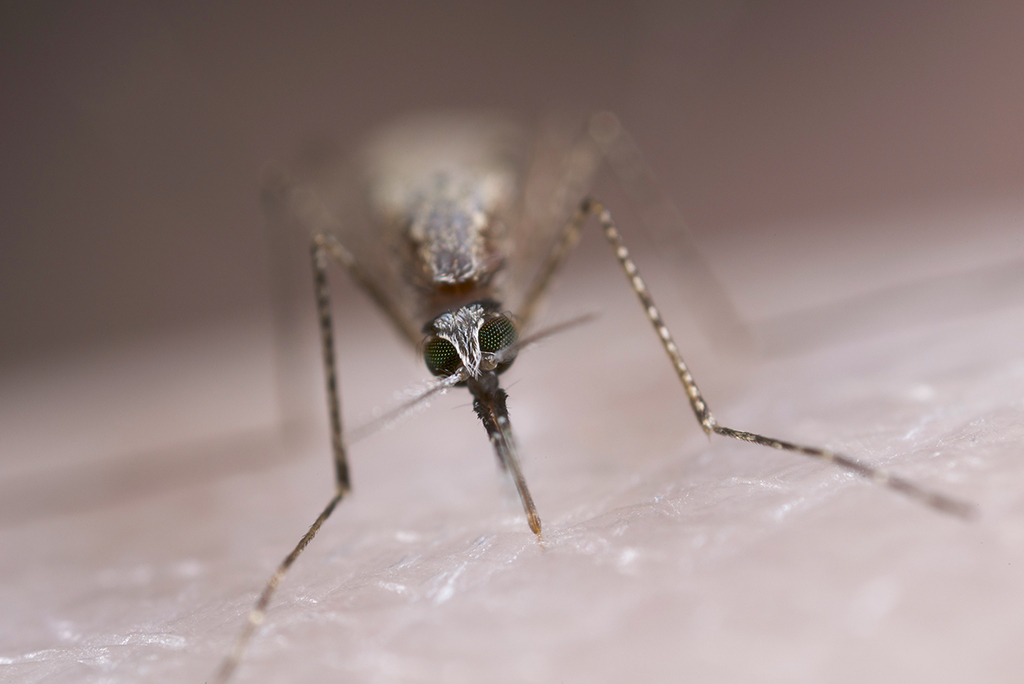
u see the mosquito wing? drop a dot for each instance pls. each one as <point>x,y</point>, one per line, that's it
<point>703,294</point>
<point>565,162</point>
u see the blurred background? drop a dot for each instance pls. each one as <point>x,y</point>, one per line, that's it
<point>847,169</point>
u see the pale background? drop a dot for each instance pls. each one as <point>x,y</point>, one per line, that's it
<point>852,175</point>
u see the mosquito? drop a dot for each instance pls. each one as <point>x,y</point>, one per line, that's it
<point>454,225</point>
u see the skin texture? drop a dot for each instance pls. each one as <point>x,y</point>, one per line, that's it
<point>662,553</point>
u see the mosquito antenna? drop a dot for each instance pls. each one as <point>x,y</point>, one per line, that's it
<point>418,398</point>
<point>542,334</point>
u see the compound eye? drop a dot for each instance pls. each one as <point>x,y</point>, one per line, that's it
<point>440,356</point>
<point>497,334</point>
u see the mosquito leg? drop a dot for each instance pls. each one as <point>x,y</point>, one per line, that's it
<point>323,306</point>
<point>255,617</point>
<point>703,413</point>
<point>323,309</point>
<point>344,258</point>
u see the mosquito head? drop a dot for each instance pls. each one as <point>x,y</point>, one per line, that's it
<point>476,338</point>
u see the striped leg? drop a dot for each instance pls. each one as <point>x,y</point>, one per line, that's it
<point>700,408</point>
<point>255,617</point>
<point>323,309</point>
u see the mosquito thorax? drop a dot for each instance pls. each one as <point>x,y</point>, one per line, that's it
<point>477,338</point>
